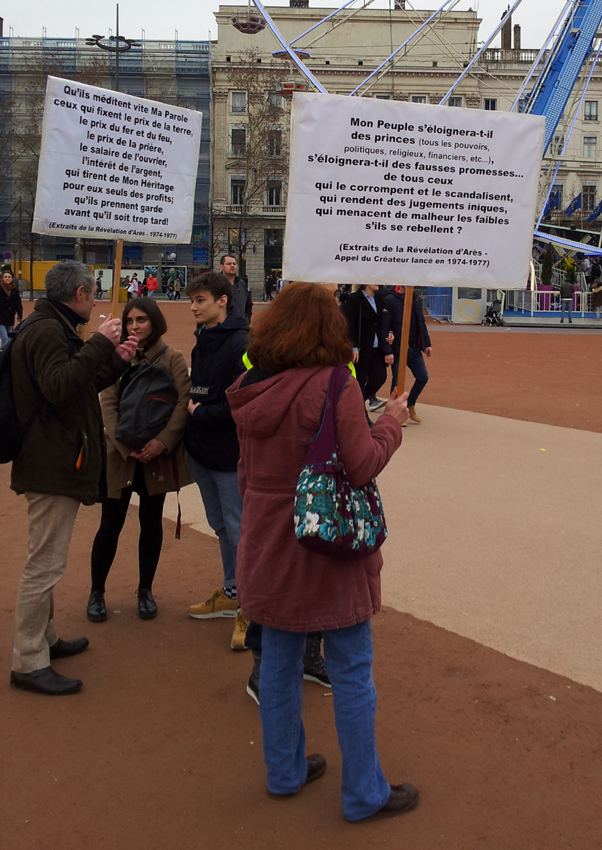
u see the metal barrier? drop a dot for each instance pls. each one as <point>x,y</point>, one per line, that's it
<point>438,303</point>
<point>526,303</point>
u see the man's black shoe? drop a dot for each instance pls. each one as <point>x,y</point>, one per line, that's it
<point>147,607</point>
<point>403,798</point>
<point>65,648</point>
<point>316,767</point>
<point>97,611</point>
<point>44,681</point>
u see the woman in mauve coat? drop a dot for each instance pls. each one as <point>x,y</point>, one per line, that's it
<point>277,406</point>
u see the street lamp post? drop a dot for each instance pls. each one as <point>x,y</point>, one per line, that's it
<point>121,45</point>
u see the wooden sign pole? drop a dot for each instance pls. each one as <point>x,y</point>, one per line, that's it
<point>405,338</point>
<point>116,279</point>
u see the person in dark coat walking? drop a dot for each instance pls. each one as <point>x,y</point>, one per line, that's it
<point>278,406</point>
<point>210,434</point>
<point>420,342</point>
<point>56,380</point>
<point>10,305</point>
<point>363,310</point>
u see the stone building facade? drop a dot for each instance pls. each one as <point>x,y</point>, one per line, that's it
<point>171,72</point>
<point>342,56</point>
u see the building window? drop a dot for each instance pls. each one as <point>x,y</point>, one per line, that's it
<point>469,293</point>
<point>588,197</point>
<point>490,103</point>
<point>454,101</point>
<point>275,142</point>
<point>275,100</point>
<point>237,191</point>
<point>274,195</point>
<point>557,145</point>
<point>273,238</point>
<point>418,98</point>
<point>557,188</point>
<point>238,141</point>
<point>589,147</point>
<point>239,101</point>
<point>590,112</point>
<point>382,96</point>
<point>234,241</point>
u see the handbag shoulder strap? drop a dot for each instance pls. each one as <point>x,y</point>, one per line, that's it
<point>323,447</point>
<point>336,384</point>
<point>159,353</point>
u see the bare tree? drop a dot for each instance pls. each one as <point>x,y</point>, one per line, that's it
<point>258,156</point>
<point>24,128</point>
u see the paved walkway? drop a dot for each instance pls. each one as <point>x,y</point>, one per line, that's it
<point>492,535</point>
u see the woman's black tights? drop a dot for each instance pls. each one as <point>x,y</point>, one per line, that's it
<point>114,512</point>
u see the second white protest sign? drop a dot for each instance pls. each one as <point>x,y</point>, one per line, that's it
<point>388,191</point>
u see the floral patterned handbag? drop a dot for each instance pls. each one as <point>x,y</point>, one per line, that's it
<point>331,517</point>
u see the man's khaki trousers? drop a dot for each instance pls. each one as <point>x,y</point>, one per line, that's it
<point>51,521</point>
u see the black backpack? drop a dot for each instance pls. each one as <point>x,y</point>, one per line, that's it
<point>148,397</point>
<point>12,434</point>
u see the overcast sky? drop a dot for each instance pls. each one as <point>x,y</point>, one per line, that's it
<point>193,19</point>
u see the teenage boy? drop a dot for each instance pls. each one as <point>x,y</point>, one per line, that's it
<point>210,436</point>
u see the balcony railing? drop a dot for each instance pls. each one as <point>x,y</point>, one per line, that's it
<point>496,54</point>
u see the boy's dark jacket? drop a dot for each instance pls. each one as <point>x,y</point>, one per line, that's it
<point>216,362</point>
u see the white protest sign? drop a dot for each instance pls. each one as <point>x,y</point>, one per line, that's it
<point>117,166</point>
<point>383,192</point>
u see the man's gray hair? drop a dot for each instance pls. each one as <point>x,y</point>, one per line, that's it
<point>64,279</point>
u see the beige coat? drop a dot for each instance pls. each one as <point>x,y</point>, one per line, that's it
<point>158,473</point>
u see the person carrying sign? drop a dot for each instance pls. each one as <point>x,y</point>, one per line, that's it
<point>420,342</point>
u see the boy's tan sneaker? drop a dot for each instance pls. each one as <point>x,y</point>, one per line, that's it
<point>239,633</point>
<point>218,606</point>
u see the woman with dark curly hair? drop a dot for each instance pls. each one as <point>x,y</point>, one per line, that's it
<point>159,467</point>
<point>278,405</point>
<point>10,305</point>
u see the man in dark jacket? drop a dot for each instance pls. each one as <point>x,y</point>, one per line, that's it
<point>210,435</point>
<point>56,380</point>
<point>241,296</point>
<point>419,342</point>
<point>10,305</point>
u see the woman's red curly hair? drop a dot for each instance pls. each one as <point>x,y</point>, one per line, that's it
<point>302,327</point>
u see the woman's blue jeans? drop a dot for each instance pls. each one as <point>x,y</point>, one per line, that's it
<point>417,367</point>
<point>348,654</point>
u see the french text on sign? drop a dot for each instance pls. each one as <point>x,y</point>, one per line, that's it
<point>453,191</point>
<point>116,159</point>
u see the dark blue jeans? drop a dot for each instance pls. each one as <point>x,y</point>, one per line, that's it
<point>417,367</point>
<point>348,654</point>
